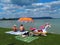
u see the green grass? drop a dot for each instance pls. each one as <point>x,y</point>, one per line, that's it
<point>7,39</point>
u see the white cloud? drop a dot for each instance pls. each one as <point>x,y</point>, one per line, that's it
<point>5,8</point>
<point>46,4</point>
<point>27,9</point>
<point>6,1</point>
<point>37,4</point>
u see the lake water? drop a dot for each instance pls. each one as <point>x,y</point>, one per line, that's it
<point>55,23</point>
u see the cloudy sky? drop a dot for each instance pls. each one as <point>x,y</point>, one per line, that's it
<point>38,8</point>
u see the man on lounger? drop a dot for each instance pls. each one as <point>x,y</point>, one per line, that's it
<point>22,28</point>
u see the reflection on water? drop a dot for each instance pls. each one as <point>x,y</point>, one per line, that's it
<point>55,23</point>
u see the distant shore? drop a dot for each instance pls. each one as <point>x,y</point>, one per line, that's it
<point>30,17</point>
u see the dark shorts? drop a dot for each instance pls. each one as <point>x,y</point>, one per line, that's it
<point>22,31</point>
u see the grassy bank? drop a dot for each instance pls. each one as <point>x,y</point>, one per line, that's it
<point>6,39</point>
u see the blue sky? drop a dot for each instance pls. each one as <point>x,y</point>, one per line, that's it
<point>47,0</point>
<point>27,2</point>
<point>44,1</point>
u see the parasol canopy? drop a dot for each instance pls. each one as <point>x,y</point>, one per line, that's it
<point>25,19</point>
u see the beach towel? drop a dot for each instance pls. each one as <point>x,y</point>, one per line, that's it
<point>27,39</point>
<point>16,33</point>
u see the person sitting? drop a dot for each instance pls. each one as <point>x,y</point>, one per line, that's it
<point>22,29</point>
<point>14,28</point>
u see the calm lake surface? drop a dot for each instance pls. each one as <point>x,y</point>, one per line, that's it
<point>55,24</point>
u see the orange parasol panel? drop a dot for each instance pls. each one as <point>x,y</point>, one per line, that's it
<point>25,19</point>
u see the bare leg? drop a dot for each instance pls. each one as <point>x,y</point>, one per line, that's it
<point>44,33</point>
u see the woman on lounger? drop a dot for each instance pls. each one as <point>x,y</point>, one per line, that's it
<point>36,31</point>
<point>14,28</point>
